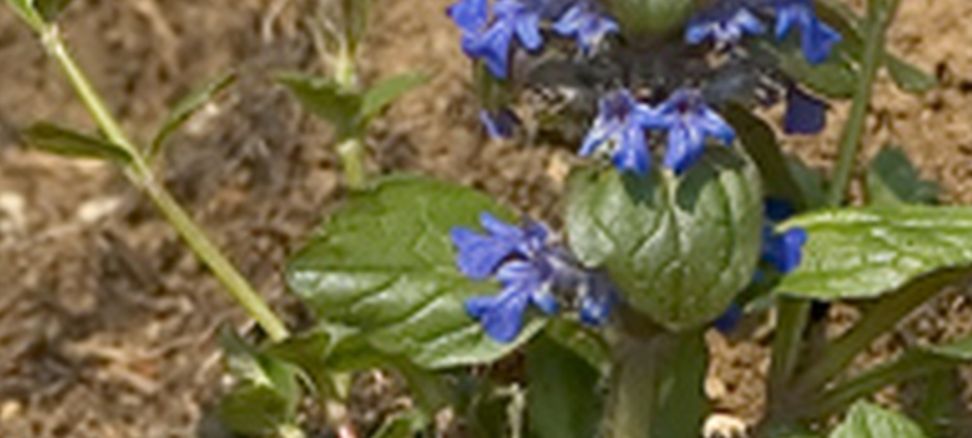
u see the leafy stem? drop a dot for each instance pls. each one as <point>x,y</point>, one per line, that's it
<point>140,174</point>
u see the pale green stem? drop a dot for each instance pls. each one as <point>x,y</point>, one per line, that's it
<point>141,176</point>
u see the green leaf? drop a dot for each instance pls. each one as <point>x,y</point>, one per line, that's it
<point>908,77</point>
<point>563,400</point>
<point>61,141</point>
<point>50,9</point>
<point>866,252</point>
<point>958,350</point>
<point>327,99</point>
<point>837,77</point>
<point>893,179</point>
<point>867,420</point>
<point>759,139</point>
<point>186,107</point>
<point>582,340</point>
<point>384,265</point>
<point>387,91</point>
<point>678,247</point>
<point>266,395</point>
<point>810,181</point>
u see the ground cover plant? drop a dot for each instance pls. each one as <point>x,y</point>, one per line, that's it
<point>683,214</point>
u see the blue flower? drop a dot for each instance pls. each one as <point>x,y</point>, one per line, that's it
<point>499,123</point>
<point>725,24</point>
<point>586,25</point>
<point>490,40</point>
<point>530,270</point>
<point>620,124</point>
<point>805,114</point>
<point>817,38</point>
<point>689,122</point>
<point>521,260</point>
<point>784,251</point>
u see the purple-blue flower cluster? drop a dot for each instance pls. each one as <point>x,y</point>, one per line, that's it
<point>531,269</point>
<point>489,30</point>
<point>685,118</point>
<point>727,21</point>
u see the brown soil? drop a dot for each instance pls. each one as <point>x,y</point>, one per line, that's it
<point>107,322</point>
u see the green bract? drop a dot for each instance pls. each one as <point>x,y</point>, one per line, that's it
<point>651,17</point>
<point>384,265</point>
<point>678,247</point>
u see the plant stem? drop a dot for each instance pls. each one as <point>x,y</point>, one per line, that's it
<point>656,384</point>
<point>879,320</point>
<point>351,150</point>
<point>141,176</point>
<point>878,20</point>
<point>910,366</point>
<point>792,315</point>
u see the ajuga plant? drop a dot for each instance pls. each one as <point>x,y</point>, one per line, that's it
<point>682,215</point>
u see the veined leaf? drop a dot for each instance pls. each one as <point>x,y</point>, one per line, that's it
<point>867,420</point>
<point>186,107</point>
<point>61,141</point>
<point>866,252</point>
<point>679,248</point>
<point>384,265</point>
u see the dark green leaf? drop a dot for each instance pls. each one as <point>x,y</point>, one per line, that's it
<point>760,142</point>
<point>50,9</point>
<point>908,77</point>
<point>327,99</point>
<point>267,392</point>
<point>254,410</point>
<point>582,340</point>
<point>679,248</point>
<point>384,264</point>
<point>893,179</point>
<point>563,400</point>
<point>810,181</point>
<point>387,91</point>
<point>866,252</point>
<point>186,107</point>
<point>61,141</point>
<point>837,77</point>
<point>867,420</point>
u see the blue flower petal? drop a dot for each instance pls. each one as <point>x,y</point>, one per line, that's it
<point>729,319</point>
<point>502,317</point>
<point>479,255</point>
<point>469,15</point>
<point>597,299</point>
<point>587,26</point>
<point>805,114</point>
<point>724,25</point>
<point>817,38</point>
